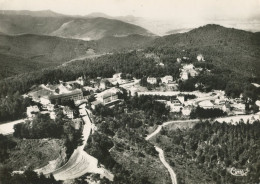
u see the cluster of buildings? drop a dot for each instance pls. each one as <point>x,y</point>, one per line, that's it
<point>188,71</point>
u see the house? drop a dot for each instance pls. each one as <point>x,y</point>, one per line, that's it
<point>239,108</point>
<point>67,111</point>
<point>103,84</point>
<point>186,111</point>
<point>32,110</point>
<point>45,102</point>
<point>80,81</point>
<point>184,75</point>
<point>200,57</point>
<point>152,80</point>
<point>117,75</point>
<point>175,105</point>
<point>160,64</point>
<point>167,79</point>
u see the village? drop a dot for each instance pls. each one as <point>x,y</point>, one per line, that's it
<point>109,91</point>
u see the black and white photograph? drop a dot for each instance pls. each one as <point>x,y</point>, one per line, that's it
<point>129,91</point>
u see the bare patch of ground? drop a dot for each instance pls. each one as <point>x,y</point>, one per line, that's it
<point>34,153</point>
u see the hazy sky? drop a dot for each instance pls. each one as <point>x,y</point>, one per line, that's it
<point>166,9</point>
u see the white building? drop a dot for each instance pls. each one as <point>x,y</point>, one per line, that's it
<point>31,111</point>
<point>200,57</point>
<point>117,75</point>
<point>152,80</point>
<point>186,111</point>
<point>45,102</point>
<point>184,75</point>
<point>80,81</point>
<point>181,99</point>
<point>167,79</point>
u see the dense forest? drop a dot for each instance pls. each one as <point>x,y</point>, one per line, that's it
<point>207,151</point>
<point>123,128</point>
<point>13,107</point>
<point>202,113</point>
<point>28,177</point>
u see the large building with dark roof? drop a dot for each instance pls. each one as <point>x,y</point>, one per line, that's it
<point>74,95</point>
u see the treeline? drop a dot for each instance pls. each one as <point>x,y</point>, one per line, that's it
<point>43,127</point>
<point>13,107</point>
<point>213,148</point>
<point>28,177</point>
<point>134,63</point>
<point>99,146</point>
<point>202,113</point>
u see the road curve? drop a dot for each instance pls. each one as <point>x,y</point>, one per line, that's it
<point>160,151</point>
<point>168,167</point>
<point>80,162</point>
<point>168,123</point>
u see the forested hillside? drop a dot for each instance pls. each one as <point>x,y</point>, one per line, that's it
<point>207,152</point>
<point>229,49</point>
<point>49,23</point>
<point>25,53</point>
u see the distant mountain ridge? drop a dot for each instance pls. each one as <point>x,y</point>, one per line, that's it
<point>53,24</point>
<point>42,13</point>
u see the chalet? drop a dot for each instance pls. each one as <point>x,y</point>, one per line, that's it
<point>152,80</point>
<point>167,79</point>
<point>74,95</point>
<point>32,110</point>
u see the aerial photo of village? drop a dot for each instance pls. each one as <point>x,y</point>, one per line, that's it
<point>129,92</point>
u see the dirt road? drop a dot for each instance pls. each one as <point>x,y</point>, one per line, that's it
<point>168,167</point>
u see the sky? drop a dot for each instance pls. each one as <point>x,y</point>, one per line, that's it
<point>198,10</point>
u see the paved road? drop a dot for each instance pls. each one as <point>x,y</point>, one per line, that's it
<point>8,128</point>
<point>80,162</point>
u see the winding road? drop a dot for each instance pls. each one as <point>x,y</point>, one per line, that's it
<point>160,151</point>
<point>80,161</point>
